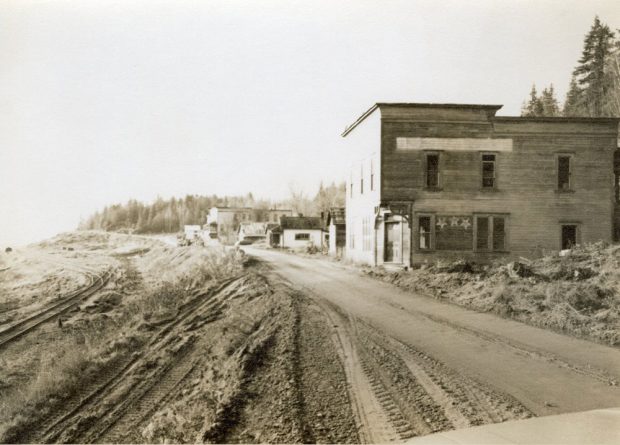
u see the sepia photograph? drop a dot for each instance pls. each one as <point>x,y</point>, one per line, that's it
<point>310,221</point>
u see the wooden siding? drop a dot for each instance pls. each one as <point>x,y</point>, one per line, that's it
<point>526,178</point>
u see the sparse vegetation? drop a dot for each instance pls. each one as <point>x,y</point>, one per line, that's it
<point>578,293</point>
<point>104,332</point>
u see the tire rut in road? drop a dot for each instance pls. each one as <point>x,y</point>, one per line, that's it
<point>398,392</point>
<point>463,400</point>
<point>373,422</point>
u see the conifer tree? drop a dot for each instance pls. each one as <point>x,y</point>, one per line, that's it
<point>590,72</point>
<point>611,105</point>
<point>574,103</point>
<point>549,102</point>
<point>534,106</point>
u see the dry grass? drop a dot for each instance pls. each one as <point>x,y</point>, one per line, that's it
<point>98,337</point>
<point>577,294</point>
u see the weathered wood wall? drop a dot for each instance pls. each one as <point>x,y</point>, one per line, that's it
<point>526,175</point>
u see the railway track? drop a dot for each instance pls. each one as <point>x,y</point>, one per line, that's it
<point>138,402</point>
<point>25,325</point>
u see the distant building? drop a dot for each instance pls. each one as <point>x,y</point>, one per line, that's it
<point>455,181</point>
<point>337,227</point>
<point>274,215</point>
<point>252,231</point>
<point>301,231</point>
<point>223,222</point>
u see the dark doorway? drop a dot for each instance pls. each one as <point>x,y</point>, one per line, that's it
<point>392,242</point>
<point>569,236</point>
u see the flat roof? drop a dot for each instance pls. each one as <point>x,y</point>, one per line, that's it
<point>598,120</point>
<point>491,107</point>
<point>418,105</point>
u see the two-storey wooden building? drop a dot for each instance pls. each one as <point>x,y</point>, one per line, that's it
<point>455,181</point>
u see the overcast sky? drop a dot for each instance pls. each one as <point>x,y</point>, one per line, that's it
<point>104,101</point>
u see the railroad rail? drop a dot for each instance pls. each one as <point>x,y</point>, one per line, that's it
<point>22,327</point>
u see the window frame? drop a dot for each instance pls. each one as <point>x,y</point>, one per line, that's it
<point>482,162</point>
<point>436,187</point>
<point>431,247</point>
<point>306,236</point>
<point>570,157</point>
<point>351,186</point>
<point>362,179</point>
<point>372,176</point>
<point>577,225</point>
<point>491,229</point>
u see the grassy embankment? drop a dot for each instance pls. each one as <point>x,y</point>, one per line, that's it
<point>104,334</point>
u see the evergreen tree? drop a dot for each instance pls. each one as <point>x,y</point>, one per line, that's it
<point>534,106</point>
<point>590,72</point>
<point>611,105</point>
<point>574,102</point>
<point>549,102</point>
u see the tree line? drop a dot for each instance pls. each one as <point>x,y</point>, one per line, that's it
<point>169,216</point>
<point>594,89</point>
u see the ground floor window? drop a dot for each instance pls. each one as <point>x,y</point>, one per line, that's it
<point>569,236</point>
<point>491,233</point>
<point>424,236</point>
<point>366,234</point>
<point>302,236</point>
<point>461,232</point>
<point>352,235</point>
<point>453,232</point>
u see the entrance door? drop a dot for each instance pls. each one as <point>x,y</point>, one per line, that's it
<point>392,242</point>
<point>569,236</point>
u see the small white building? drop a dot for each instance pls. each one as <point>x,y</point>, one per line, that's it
<point>301,231</point>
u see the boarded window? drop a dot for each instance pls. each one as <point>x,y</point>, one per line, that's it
<point>432,170</point>
<point>453,233</point>
<point>424,224</point>
<point>488,171</point>
<point>482,233</point>
<point>564,172</point>
<point>302,236</point>
<point>499,233</point>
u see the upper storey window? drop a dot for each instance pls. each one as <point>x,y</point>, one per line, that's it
<point>564,172</point>
<point>488,171</point>
<point>351,186</point>
<point>362,180</point>
<point>432,170</point>
<point>372,176</point>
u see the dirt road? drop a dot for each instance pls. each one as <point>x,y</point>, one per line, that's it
<point>417,365</point>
